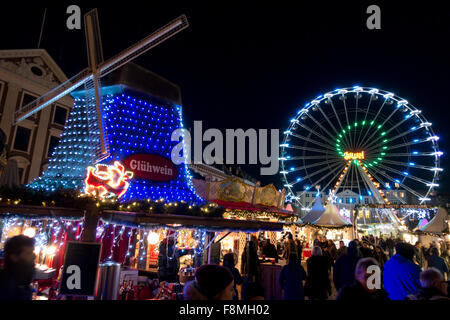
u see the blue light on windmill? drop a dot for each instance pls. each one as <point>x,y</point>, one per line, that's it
<point>307,187</point>
<point>339,200</point>
<point>413,128</point>
<point>415,152</point>
<point>360,197</point>
<point>412,164</point>
<point>319,97</point>
<point>299,179</point>
<point>388,186</point>
<point>351,200</point>
<point>416,140</point>
<point>292,169</point>
<point>396,180</point>
<point>288,157</point>
<point>405,173</point>
<point>369,192</point>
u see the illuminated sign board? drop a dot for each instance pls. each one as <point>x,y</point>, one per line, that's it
<point>151,167</point>
<point>354,155</point>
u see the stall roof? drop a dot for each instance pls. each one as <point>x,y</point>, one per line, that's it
<point>315,212</point>
<point>40,211</point>
<point>330,218</point>
<point>188,222</point>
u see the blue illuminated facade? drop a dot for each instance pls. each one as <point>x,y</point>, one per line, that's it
<point>135,123</point>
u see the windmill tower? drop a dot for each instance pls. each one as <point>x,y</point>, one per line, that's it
<point>115,118</point>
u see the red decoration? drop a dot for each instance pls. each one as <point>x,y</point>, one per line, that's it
<point>104,179</point>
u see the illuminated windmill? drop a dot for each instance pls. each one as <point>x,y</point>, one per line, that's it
<point>121,130</point>
<point>90,78</point>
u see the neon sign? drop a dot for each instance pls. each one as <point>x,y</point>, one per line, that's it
<point>354,155</point>
<point>107,180</point>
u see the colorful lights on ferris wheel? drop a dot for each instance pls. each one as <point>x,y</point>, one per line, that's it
<point>388,95</point>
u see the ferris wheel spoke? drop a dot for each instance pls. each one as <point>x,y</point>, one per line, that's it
<point>373,121</point>
<point>338,170</point>
<point>320,126</point>
<point>308,149</point>
<point>393,180</point>
<point>316,133</point>
<point>346,117</point>
<point>381,136</point>
<point>312,141</point>
<point>316,164</point>
<point>404,164</point>
<point>318,171</point>
<point>406,176</point>
<point>337,117</point>
<point>329,122</point>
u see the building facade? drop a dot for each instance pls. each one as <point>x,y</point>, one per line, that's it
<point>24,76</point>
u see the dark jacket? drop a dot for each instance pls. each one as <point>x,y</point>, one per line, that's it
<point>356,292</point>
<point>253,264</point>
<point>428,294</point>
<point>11,289</point>
<point>344,268</point>
<point>434,261</point>
<point>270,251</point>
<point>401,277</point>
<point>236,276</point>
<point>318,284</point>
<point>291,278</point>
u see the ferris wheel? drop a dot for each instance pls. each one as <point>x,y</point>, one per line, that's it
<point>366,140</point>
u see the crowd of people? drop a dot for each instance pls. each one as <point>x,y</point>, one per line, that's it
<point>367,269</point>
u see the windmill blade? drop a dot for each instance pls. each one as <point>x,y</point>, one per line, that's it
<point>144,45</point>
<point>52,95</point>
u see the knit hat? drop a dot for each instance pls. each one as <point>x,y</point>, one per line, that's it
<point>212,279</point>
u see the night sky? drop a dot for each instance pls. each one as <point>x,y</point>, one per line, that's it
<point>254,66</point>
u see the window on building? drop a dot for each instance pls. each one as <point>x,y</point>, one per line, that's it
<point>366,201</point>
<point>307,195</point>
<point>402,194</point>
<point>27,98</point>
<point>347,200</point>
<point>307,204</point>
<point>395,194</point>
<point>60,115</point>
<point>22,139</point>
<point>52,145</point>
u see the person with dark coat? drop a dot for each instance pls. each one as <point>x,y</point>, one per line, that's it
<point>380,256</point>
<point>291,279</point>
<point>366,252</point>
<point>401,275</point>
<point>299,249</point>
<point>435,261</point>
<point>229,263</point>
<point>359,290</point>
<point>433,287</point>
<point>269,251</point>
<point>318,286</point>
<point>344,268</point>
<point>290,248</point>
<point>168,260</point>
<point>419,257</point>
<point>250,267</point>
<point>390,245</point>
<point>342,249</point>
<point>16,277</point>
<point>332,251</point>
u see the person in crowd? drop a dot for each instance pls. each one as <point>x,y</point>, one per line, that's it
<point>401,275</point>
<point>250,261</point>
<point>344,268</point>
<point>435,261</point>
<point>318,286</point>
<point>380,256</point>
<point>270,251</point>
<point>229,263</point>
<point>291,247</point>
<point>390,245</point>
<point>332,251</point>
<point>382,244</point>
<point>342,249</point>
<point>327,256</point>
<point>360,289</point>
<point>18,272</point>
<point>292,278</point>
<point>433,286</point>
<point>419,257</point>
<point>323,243</point>
<point>366,252</point>
<point>299,244</point>
<point>168,259</point>
<point>212,282</point>
<point>253,291</point>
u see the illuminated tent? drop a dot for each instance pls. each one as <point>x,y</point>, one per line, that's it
<point>315,212</point>
<point>439,224</point>
<point>330,218</point>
